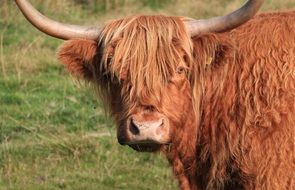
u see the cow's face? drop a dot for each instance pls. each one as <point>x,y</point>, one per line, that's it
<point>151,119</point>
<point>142,72</point>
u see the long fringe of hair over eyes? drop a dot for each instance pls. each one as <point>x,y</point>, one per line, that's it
<point>144,52</point>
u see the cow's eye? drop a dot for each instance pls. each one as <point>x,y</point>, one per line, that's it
<point>149,108</point>
<point>180,70</point>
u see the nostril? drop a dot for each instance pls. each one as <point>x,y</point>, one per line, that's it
<point>162,123</point>
<point>133,128</point>
<point>122,140</point>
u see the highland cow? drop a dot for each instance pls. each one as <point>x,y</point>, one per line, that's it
<point>217,96</point>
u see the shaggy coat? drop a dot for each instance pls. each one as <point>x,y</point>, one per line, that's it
<point>236,129</point>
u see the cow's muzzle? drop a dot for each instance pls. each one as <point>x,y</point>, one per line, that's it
<point>141,134</point>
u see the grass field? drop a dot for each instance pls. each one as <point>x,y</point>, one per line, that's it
<point>53,131</point>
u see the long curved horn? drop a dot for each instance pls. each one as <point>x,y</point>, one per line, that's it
<point>227,22</point>
<point>53,28</point>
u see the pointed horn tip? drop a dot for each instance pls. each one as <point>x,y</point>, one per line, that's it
<point>227,22</point>
<point>54,28</point>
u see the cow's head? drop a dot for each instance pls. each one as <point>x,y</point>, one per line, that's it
<point>142,72</point>
<point>141,67</point>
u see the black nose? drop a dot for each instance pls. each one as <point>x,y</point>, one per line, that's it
<point>133,128</point>
<point>122,140</point>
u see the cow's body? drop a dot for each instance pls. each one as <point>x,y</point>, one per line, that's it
<point>246,135</point>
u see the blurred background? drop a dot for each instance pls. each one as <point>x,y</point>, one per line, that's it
<point>53,131</point>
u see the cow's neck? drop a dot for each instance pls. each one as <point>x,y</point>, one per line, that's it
<point>221,113</point>
<point>181,154</point>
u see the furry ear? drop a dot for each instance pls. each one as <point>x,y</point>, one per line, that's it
<point>78,56</point>
<point>214,50</point>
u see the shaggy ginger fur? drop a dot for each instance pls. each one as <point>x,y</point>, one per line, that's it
<point>236,91</point>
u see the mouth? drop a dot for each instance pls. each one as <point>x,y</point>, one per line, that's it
<point>145,146</point>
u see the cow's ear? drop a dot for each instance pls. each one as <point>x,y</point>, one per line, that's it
<point>78,56</point>
<point>223,53</point>
<point>214,50</point>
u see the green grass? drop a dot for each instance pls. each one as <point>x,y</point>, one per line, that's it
<point>53,131</point>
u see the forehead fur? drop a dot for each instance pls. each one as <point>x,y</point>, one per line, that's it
<point>144,51</point>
